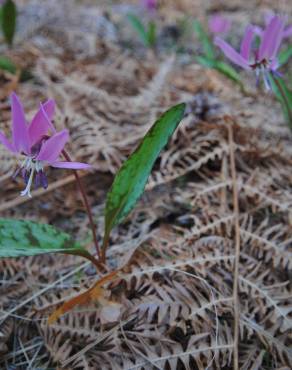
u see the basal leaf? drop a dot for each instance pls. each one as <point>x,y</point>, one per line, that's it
<point>139,28</point>
<point>151,34</point>
<point>131,179</point>
<point>221,67</point>
<point>228,71</point>
<point>284,95</point>
<point>8,20</point>
<point>205,40</point>
<point>206,62</point>
<point>7,65</point>
<point>26,238</point>
<point>285,55</point>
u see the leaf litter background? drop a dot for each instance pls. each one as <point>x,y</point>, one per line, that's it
<point>172,307</point>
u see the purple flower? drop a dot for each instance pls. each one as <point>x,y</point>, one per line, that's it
<point>150,5</point>
<point>287,32</point>
<point>218,24</point>
<point>35,145</point>
<point>264,59</point>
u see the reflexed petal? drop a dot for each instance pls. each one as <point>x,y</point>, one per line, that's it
<point>72,165</point>
<point>49,107</point>
<point>150,5</point>
<point>6,143</point>
<point>258,30</point>
<point>39,126</point>
<point>231,54</point>
<point>52,148</point>
<point>275,64</point>
<point>269,15</point>
<point>19,128</point>
<point>246,42</point>
<point>218,24</point>
<point>271,39</point>
<point>287,32</point>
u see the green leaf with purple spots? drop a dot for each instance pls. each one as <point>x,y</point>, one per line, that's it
<point>20,238</point>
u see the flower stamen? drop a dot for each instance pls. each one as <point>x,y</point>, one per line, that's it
<point>26,191</point>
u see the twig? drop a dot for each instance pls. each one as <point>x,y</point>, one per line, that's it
<point>86,204</point>
<point>229,121</point>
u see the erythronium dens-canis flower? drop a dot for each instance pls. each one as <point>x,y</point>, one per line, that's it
<point>33,142</point>
<point>262,60</point>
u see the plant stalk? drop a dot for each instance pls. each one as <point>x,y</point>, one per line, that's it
<point>86,204</point>
<point>96,262</point>
<point>285,100</point>
<point>104,248</point>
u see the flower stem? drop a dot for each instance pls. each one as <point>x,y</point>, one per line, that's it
<point>86,204</point>
<point>104,248</point>
<point>96,262</point>
<point>284,97</point>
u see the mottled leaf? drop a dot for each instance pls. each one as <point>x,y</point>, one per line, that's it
<point>26,238</point>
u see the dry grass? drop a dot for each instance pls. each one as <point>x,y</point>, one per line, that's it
<point>218,205</point>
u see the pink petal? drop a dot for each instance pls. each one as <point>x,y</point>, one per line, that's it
<point>6,143</point>
<point>150,5</point>
<point>40,125</point>
<point>287,32</point>
<point>19,128</point>
<point>52,148</point>
<point>218,24</point>
<point>72,165</point>
<point>246,42</point>
<point>271,39</point>
<point>274,65</point>
<point>269,15</point>
<point>231,54</point>
<point>258,30</point>
<point>49,107</point>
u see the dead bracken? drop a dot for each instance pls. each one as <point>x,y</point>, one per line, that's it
<point>224,176</point>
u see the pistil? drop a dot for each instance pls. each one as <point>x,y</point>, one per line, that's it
<point>31,168</point>
<point>26,191</point>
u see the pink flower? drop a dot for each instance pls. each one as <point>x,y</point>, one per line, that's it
<point>218,24</point>
<point>35,145</point>
<point>150,5</point>
<point>262,60</point>
<point>287,32</point>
